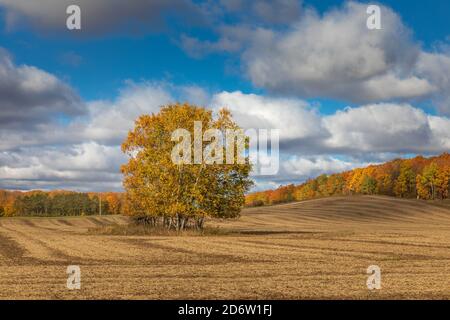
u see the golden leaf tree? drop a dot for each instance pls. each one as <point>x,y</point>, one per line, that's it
<point>180,194</point>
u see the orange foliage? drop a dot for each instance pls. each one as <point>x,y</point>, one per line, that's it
<point>424,178</point>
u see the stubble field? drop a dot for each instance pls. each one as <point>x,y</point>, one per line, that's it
<point>309,250</point>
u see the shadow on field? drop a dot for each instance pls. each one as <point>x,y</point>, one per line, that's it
<point>139,230</point>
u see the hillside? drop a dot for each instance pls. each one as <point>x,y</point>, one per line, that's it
<point>311,249</point>
<point>346,212</point>
<point>416,178</point>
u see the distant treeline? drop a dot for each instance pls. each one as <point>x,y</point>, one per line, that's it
<point>421,178</point>
<point>59,203</point>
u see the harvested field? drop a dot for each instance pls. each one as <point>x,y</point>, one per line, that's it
<point>308,250</point>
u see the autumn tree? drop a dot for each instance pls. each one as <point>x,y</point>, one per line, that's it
<point>442,182</point>
<point>335,185</point>
<point>306,191</point>
<point>114,202</point>
<point>368,185</point>
<point>176,194</point>
<point>426,182</point>
<point>322,185</point>
<point>353,184</point>
<point>405,186</point>
<point>385,184</point>
<point>9,209</point>
<point>424,178</point>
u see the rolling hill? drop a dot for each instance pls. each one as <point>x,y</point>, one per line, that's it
<point>306,250</point>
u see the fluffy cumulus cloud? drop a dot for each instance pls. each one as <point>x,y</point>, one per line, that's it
<point>83,151</point>
<point>335,55</point>
<point>85,166</point>
<point>296,118</point>
<point>32,103</point>
<point>50,138</point>
<point>109,121</point>
<point>436,67</point>
<point>373,128</point>
<point>98,17</point>
<point>32,96</point>
<point>84,154</point>
<point>283,46</point>
<point>310,167</point>
<point>295,168</point>
<point>299,168</point>
<point>313,144</point>
<point>379,128</point>
<point>387,128</point>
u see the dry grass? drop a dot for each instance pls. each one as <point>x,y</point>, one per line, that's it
<point>132,229</point>
<point>315,249</point>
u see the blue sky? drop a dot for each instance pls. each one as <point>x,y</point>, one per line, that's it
<point>233,52</point>
<point>158,56</point>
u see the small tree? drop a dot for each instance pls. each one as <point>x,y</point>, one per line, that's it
<point>176,195</point>
<point>368,185</point>
<point>405,185</point>
<point>427,181</point>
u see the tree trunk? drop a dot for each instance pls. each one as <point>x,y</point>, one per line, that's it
<point>177,226</point>
<point>199,223</point>
<point>182,223</point>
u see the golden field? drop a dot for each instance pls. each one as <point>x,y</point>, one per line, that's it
<point>317,249</point>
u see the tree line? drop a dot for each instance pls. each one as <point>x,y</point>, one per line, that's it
<point>419,177</point>
<point>60,203</point>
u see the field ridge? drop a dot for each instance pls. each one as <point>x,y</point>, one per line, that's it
<point>313,249</point>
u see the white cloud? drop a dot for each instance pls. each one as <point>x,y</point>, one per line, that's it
<point>436,68</point>
<point>440,128</point>
<point>33,103</point>
<point>295,118</point>
<point>375,128</point>
<point>49,138</point>
<point>338,56</point>
<point>79,166</point>
<point>335,56</point>
<point>85,154</point>
<point>30,96</point>
<point>295,169</point>
<point>379,128</point>
<point>195,95</point>
<point>110,121</point>
<point>310,167</point>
